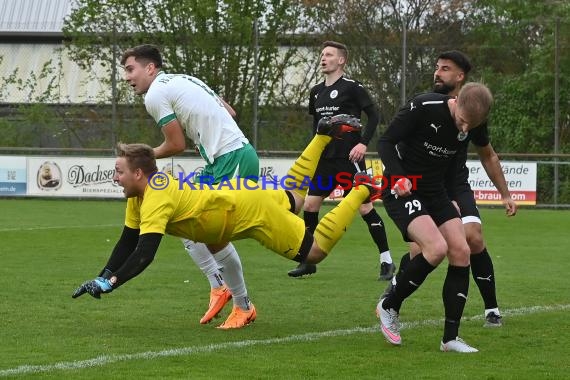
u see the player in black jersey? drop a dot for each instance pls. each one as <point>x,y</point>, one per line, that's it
<point>338,94</point>
<point>423,141</point>
<point>451,70</point>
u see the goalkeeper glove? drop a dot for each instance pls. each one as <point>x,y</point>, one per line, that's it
<point>94,288</point>
<point>337,125</point>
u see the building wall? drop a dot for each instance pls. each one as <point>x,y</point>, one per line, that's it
<point>24,62</point>
<point>31,37</point>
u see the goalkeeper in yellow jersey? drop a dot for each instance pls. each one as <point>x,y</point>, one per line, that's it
<point>216,215</point>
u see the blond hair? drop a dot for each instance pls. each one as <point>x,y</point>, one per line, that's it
<point>476,100</point>
<point>138,156</point>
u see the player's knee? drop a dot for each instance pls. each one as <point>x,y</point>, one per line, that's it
<point>365,208</point>
<point>312,203</point>
<point>458,254</point>
<point>475,241</point>
<point>435,251</point>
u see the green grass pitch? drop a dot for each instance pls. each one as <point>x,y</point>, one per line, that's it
<point>321,327</point>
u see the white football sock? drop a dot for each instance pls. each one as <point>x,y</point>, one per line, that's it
<point>205,261</point>
<point>385,257</point>
<point>230,266</point>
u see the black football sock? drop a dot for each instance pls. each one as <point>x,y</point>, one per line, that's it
<point>454,294</point>
<point>377,230</point>
<point>404,262</point>
<point>408,282</point>
<point>484,276</point>
<point>311,219</point>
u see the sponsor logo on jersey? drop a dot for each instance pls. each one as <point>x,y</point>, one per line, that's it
<point>461,136</point>
<point>438,151</point>
<point>435,127</point>
<point>327,110</point>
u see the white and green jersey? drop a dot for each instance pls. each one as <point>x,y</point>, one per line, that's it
<point>198,109</point>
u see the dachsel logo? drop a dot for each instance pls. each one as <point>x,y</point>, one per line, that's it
<point>49,176</point>
<point>81,176</point>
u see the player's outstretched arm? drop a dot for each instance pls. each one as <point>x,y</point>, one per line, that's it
<point>137,262</point>
<point>123,249</point>
<point>492,165</point>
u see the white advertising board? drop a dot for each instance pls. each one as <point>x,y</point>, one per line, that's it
<point>520,177</point>
<point>92,177</point>
<point>12,175</point>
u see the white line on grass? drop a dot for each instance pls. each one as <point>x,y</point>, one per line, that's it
<point>149,355</point>
<point>40,228</point>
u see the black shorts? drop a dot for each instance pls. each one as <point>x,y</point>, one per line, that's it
<point>403,210</point>
<point>466,200</point>
<point>332,172</point>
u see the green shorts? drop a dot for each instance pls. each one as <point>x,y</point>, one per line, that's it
<point>242,162</point>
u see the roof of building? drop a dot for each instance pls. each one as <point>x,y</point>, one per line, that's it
<point>19,17</point>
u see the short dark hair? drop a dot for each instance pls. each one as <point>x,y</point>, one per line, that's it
<point>340,46</point>
<point>459,58</point>
<point>147,52</point>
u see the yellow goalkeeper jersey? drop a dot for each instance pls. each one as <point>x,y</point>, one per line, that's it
<point>233,210</point>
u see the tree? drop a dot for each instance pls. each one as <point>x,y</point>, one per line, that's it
<point>210,39</point>
<point>516,58</point>
<point>374,31</point>
<point>523,79</point>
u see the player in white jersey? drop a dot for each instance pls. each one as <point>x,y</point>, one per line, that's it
<point>199,111</point>
<point>181,103</point>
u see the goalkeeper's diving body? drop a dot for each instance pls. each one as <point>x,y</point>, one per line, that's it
<point>240,209</point>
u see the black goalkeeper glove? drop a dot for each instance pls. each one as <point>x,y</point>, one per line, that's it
<point>337,125</point>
